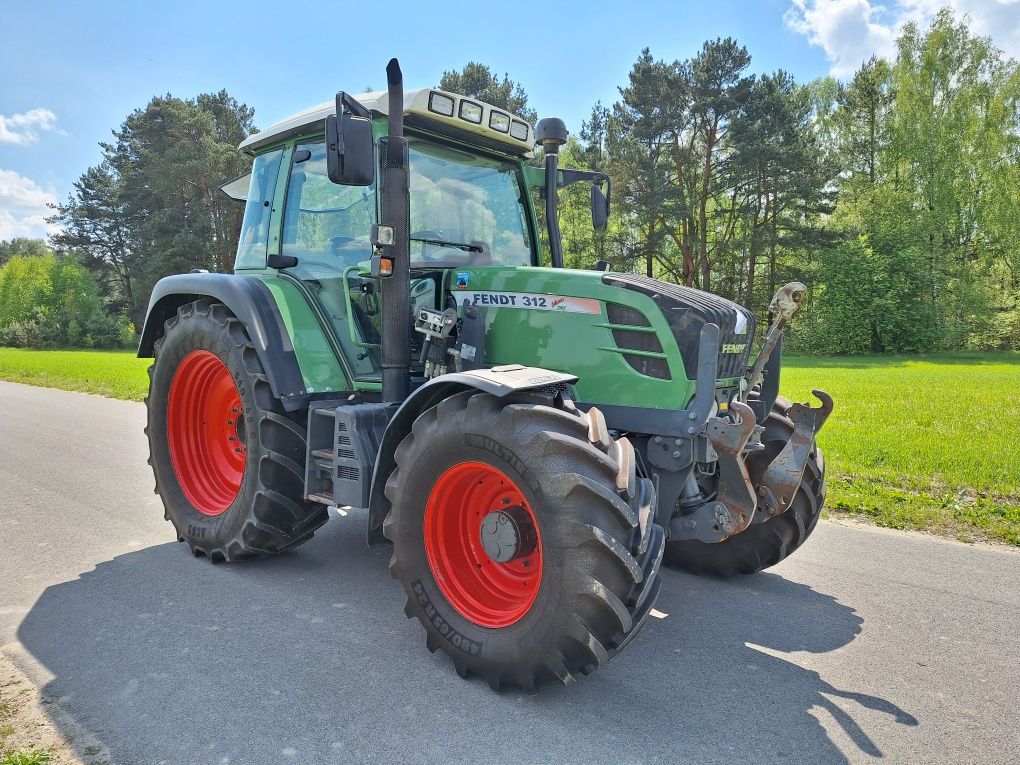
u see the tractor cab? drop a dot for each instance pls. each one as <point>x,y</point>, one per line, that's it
<point>469,208</point>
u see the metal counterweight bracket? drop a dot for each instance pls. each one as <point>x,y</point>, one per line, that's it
<point>782,477</point>
<point>733,508</point>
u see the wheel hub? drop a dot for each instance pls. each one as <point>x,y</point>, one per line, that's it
<point>205,431</point>
<point>483,544</point>
<point>508,534</point>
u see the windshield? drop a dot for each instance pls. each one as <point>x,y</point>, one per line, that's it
<point>465,209</point>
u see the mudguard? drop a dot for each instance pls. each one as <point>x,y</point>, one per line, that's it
<point>498,381</point>
<point>249,300</point>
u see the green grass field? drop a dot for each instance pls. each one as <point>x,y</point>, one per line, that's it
<point>109,373</point>
<point>919,442</point>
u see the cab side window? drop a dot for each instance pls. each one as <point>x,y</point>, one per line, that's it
<point>325,226</point>
<point>254,238</point>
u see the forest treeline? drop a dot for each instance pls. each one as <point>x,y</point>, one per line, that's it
<point>895,195</point>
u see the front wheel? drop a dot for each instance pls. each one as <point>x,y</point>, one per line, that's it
<point>523,538</point>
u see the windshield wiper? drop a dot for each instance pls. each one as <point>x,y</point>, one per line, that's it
<point>444,243</point>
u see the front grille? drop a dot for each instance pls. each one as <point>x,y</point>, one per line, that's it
<point>622,314</point>
<point>637,341</point>
<point>648,365</point>
<point>687,310</point>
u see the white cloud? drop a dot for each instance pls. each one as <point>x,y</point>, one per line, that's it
<point>24,207</point>
<point>851,31</point>
<point>21,129</point>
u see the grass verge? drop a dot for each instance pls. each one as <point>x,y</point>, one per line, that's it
<point>35,729</point>
<point>30,756</point>
<point>12,698</point>
<point>109,373</point>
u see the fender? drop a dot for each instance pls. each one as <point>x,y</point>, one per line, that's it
<point>251,302</point>
<point>501,381</point>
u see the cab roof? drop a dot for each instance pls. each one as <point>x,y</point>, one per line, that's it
<point>429,107</point>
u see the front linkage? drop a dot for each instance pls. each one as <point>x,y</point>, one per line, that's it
<point>730,438</point>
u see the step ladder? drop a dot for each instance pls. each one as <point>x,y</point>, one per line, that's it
<point>343,442</point>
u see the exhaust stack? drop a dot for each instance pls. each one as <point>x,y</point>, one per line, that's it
<point>396,212</point>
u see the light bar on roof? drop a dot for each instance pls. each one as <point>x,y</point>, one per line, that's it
<point>472,116</point>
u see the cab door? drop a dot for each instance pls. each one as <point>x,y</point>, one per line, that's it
<point>326,228</point>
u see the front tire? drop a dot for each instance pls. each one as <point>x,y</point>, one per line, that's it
<point>575,580</point>
<point>227,459</point>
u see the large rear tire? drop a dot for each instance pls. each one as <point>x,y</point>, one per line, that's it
<point>228,461</point>
<point>764,544</point>
<point>578,573</point>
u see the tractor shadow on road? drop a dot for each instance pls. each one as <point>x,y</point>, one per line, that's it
<point>309,658</point>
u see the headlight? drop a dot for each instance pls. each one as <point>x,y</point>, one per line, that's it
<point>441,104</point>
<point>471,112</point>
<point>499,121</point>
<point>519,130</point>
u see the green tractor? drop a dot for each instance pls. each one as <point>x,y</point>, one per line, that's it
<point>533,441</point>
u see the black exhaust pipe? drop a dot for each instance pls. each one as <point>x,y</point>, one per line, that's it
<point>396,211</point>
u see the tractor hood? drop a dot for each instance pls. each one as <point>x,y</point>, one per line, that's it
<point>628,338</point>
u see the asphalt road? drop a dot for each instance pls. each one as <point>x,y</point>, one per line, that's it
<point>865,645</point>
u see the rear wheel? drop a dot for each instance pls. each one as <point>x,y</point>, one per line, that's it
<point>523,538</point>
<point>763,544</point>
<point>228,461</point>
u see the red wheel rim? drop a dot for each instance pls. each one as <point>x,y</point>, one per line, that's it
<point>203,414</point>
<point>488,593</point>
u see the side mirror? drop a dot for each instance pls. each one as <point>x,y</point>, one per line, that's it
<point>599,206</point>
<point>350,155</point>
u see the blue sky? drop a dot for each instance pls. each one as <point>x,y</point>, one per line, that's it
<point>72,71</point>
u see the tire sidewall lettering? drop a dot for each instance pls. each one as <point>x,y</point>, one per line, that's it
<point>448,632</point>
<point>490,445</point>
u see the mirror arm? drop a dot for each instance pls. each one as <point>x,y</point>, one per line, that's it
<point>347,101</point>
<point>570,177</point>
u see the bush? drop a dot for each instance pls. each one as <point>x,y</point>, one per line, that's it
<point>48,301</point>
